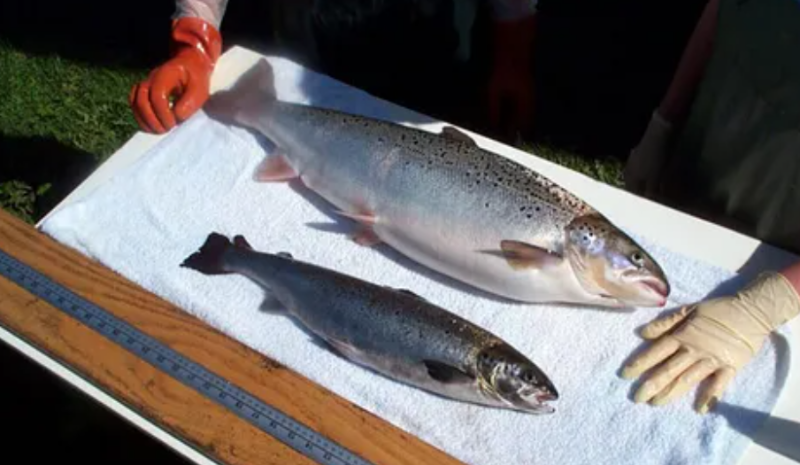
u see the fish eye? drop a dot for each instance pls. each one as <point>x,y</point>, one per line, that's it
<point>527,376</point>
<point>637,259</point>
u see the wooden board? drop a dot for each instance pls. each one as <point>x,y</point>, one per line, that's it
<point>180,410</point>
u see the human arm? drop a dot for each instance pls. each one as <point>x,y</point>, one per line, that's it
<point>195,46</point>
<point>511,80</point>
<point>210,11</point>
<point>714,338</point>
<point>648,157</point>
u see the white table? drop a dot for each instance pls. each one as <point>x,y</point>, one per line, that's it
<point>680,232</point>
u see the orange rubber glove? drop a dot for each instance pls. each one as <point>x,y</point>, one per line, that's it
<point>511,81</point>
<point>196,45</point>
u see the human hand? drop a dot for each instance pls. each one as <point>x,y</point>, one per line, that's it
<point>712,338</point>
<point>185,76</point>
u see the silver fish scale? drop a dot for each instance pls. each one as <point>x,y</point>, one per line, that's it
<point>536,197</point>
<point>375,318</point>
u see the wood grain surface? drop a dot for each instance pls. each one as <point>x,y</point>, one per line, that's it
<point>178,409</point>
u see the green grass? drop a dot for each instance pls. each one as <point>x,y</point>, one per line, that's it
<point>78,105</point>
<point>85,109</point>
<point>607,171</point>
<point>81,107</point>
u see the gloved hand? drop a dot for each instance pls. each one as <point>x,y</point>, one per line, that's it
<point>196,46</point>
<point>716,337</point>
<point>511,80</point>
<point>647,159</point>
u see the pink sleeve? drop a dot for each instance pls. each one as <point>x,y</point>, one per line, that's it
<point>792,273</point>
<point>211,11</point>
<point>507,10</point>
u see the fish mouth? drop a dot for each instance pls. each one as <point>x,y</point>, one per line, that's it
<point>535,400</point>
<point>657,287</point>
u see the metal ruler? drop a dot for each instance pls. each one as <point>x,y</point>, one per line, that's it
<point>265,417</point>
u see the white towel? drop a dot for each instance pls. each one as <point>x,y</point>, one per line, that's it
<point>148,218</point>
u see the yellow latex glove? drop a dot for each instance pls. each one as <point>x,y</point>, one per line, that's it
<point>716,337</point>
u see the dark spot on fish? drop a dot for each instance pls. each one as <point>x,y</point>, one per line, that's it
<point>402,137</point>
<point>522,209</point>
<point>380,139</point>
<point>487,204</point>
<point>529,216</point>
<point>478,181</point>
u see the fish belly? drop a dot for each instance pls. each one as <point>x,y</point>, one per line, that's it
<point>413,373</point>
<point>424,209</point>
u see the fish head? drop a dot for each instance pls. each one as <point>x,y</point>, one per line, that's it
<point>508,376</point>
<point>612,266</point>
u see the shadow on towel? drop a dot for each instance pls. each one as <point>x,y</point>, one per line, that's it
<point>776,434</point>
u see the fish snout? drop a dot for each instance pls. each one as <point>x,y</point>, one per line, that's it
<point>546,397</point>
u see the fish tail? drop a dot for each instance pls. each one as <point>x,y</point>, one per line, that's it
<point>210,258</point>
<point>250,96</point>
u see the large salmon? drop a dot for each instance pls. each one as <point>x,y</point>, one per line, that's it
<point>445,202</point>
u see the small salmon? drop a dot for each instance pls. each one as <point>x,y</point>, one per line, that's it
<point>445,202</point>
<point>391,331</point>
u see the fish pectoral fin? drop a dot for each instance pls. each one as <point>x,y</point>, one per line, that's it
<point>521,255</point>
<point>446,374</point>
<point>344,349</point>
<point>454,134</point>
<point>274,168</point>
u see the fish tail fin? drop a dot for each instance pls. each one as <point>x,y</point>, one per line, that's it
<point>210,258</point>
<point>250,96</point>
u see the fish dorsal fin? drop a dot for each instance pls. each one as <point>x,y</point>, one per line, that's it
<point>452,133</point>
<point>521,255</point>
<point>407,292</point>
<point>446,374</point>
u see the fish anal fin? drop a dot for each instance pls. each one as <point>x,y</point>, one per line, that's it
<point>240,242</point>
<point>363,217</point>
<point>366,236</point>
<point>521,255</point>
<point>446,374</point>
<point>274,168</point>
<point>454,134</point>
